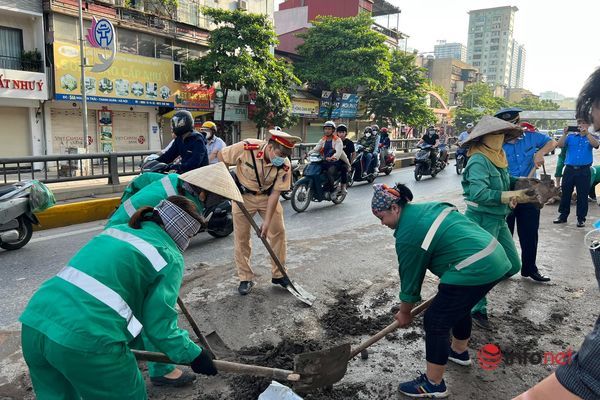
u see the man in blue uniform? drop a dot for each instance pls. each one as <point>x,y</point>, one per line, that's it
<point>188,144</point>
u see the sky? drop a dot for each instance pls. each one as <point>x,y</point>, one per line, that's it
<point>561,38</point>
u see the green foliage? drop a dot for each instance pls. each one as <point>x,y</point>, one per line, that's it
<point>343,54</point>
<point>439,90</point>
<point>535,104</point>
<point>403,99</point>
<point>476,100</point>
<point>240,56</point>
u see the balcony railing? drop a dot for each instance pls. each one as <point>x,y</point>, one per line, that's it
<point>20,64</point>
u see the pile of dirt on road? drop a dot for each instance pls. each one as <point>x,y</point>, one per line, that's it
<point>344,318</point>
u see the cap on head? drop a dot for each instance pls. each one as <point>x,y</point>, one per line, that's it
<point>285,139</point>
<point>509,114</point>
<point>341,128</point>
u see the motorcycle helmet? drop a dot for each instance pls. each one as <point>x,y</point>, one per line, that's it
<point>470,125</point>
<point>368,129</point>
<point>375,127</point>
<point>277,128</point>
<point>341,128</point>
<point>329,124</point>
<point>209,129</point>
<point>384,130</point>
<point>182,122</point>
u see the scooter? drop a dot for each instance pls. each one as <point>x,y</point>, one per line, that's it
<point>356,172</point>
<point>461,159</point>
<point>16,216</point>
<point>423,164</point>
<point>296,174</point>
<point>387,165</point>
<point>311,186</point>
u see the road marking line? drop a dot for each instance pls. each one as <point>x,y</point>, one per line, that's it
<point>65,234</point>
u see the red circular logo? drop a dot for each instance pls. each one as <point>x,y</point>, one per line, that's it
<point>489,357</point>
<point>141,139</point>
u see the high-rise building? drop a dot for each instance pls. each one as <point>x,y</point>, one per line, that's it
<point>520,72</point>
<point>490,45</point>
<point>450,50</point>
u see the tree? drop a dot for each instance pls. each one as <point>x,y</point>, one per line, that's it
<point>240,57</point>
<point>403,99</point>
<point>343,55</point>
<point>439,90</point>
<point>535,104</point>
<point>476,100</point>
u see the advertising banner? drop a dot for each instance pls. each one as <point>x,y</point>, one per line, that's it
<point>344,105</point>
<point>305,107</point>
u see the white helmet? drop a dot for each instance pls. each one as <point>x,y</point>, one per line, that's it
<point>470,125</point>
<point>329,124</point>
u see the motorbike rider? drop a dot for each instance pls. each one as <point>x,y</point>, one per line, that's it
<point>384,144</point>
<point>431,138</point>
<point>188,144</point>
<point>376,153</point>
<point>349,149</point>
<point>444,147</point>
<point>368,141</point>
<point>331,148</point>
<point>461,139</point>
<point>213,142</point>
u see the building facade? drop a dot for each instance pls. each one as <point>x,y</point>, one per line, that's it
<point>450,50</point>
<point>23,80</point>
<point>490,44</point>
<point>451,74</point>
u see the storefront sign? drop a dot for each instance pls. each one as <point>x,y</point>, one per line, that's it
<point>344,105</point>
<point>195,96</point>
<point>305,107</point>
<point>23,85</point>
<point>132,79</point>
<point>233,112</point>
<point>102,35</point>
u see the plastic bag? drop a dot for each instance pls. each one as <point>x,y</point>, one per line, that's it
<point>277,391</point>
<point>40,197</point>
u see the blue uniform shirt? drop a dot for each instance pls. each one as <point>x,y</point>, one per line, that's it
<point>579,150</point>
<point>520,153</point>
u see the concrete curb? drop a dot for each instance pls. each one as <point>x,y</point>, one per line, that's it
<point>76,213</point>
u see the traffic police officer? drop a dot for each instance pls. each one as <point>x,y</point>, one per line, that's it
<point>263,172</point>
<point>524,154</point>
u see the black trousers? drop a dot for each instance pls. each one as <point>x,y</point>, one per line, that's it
<point>579,178</point>
<point>527,219</point>
<point>450,310</point>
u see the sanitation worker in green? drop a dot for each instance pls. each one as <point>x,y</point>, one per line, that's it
<point>487,191</point>
<point>467,259</point>
<point>79,326</point>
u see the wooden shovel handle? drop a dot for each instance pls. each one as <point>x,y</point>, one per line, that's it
<point>532,172</point>
<point>195,327</point>
<point>389,329</point>
<point>225,366</point>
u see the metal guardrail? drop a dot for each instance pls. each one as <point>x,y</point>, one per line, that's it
<point>72,167</point>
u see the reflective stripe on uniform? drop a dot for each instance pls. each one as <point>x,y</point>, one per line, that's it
<point>129,207</point>
<point>104,294</point>
<point>168,185</point>
<point>480,255</point>
<point>149,251</point>
<point>470,203</point>
<point>435,226</point>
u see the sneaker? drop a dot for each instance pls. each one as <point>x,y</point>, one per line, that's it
<point>560,220</point>
<point>423,388</point>
<point>185,379</point>
<point>283,281</point>
<point>245,287</point>
<point>460,358</point>
<point>481,320</point>
<point>580,224</point>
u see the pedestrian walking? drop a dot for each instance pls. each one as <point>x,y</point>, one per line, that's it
<point>467,259</point>
<point>578,160</point>
<point>263,172</point>
<point>79,326</point>
<point>487,191</point>
<point>525,154</point>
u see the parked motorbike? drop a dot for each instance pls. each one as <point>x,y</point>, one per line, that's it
<point>461,159</point>
<point>356,171</point>
<point>423,163</point>
<point>311,186</point>
<point>387,165</point>
<point>217,209</point>
<point>16,216</point>
<point>296,174</point>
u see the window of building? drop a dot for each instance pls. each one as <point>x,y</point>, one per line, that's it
<point>164,48</point>
<point>476,63</point>
<point>180,51</point>
<point>127,41</point>
<point>195,51</point>
<point>11,48</point>
<point>146,45</point>
<point>478,42</point>
<point>494,48</point>
<point>477,49</point>
<point>179,72</point>
<point>495,40</point>
<point>476,56</point>
<point>479,35</point>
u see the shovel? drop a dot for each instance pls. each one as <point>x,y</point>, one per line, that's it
<point>293,287</point>
<point>326,367</point>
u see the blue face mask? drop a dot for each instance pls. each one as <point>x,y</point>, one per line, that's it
<point>278,161</point>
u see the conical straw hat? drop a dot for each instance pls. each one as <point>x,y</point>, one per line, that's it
<point>488,124</point>
<point>214,178</point>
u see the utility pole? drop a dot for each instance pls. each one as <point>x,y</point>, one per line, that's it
<point>82,83</point>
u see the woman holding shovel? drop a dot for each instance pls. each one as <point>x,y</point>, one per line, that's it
<point>466,258</point>
<point>486,187</point>
<point>79,326</point>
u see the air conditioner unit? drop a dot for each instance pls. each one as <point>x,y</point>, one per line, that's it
<point>243,5</point>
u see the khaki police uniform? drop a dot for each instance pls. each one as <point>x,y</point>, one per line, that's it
<point>255,199</point>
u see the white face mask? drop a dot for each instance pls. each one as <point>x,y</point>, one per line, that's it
<point>368,134</point>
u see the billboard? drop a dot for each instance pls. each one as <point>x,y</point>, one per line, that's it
<point>344,105</point>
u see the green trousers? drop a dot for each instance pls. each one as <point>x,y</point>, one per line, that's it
<point>61,373</point>
<point>497,227</point>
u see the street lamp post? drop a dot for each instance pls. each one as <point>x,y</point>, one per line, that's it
<point>82,83</point>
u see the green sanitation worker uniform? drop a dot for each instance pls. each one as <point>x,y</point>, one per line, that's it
<point>79,326</point>
<point>150,190</point>
<point>486,188</point>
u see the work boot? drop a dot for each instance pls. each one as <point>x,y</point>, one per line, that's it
<point>245,287</point>
<point>283,281</point>
<point>481,320</point>
<point>185,379</point>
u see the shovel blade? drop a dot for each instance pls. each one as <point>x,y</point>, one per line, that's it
<point>321,368</point>
<point>218,346</point>
<point>298,292</point>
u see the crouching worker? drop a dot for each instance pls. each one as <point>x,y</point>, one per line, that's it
<point>79,326</point>
<point>466,258</point>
